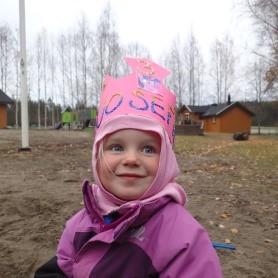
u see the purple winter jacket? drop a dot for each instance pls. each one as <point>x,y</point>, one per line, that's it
<point>159,239</point>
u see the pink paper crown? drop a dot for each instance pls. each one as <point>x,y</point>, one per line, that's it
<point>139,93</point>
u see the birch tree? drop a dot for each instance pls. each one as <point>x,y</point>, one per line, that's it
<point>137,50</point>
<point>107,50</point>
<point>175,64</point>
<point>16,55</point>
<point>45,72</point>
<point>84,47</point>
<point>62,66</point>
<point>69,56</point>
<point>222,67</point>
<point>6,56</point>
<point>52,68</point>
<point>194,69</point>
<point>38,60</point>
<point>257,84</point>
<point>265,16</point>
<point>76,66</point>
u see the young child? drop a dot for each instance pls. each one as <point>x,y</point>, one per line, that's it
<point>134,223</point>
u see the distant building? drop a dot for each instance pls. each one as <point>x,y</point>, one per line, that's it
<point>227,117</point>
<point>4,101</point>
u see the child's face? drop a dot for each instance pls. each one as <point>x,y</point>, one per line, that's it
<point>129,162</point>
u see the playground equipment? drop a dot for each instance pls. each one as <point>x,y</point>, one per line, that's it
<point>78,119</point>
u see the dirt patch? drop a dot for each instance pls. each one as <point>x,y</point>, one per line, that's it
<point>231,187</point>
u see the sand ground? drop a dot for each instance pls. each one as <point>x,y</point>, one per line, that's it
<point>233,197</point>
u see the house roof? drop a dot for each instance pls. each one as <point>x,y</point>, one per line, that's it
<point>198,109</point>
<point>216,110</point>
<point>4,99</point>
<point>213,109</point>
<point>193,109</point>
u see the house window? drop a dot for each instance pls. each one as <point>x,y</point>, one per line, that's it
<point>213,120</point>
<point>187,116</point>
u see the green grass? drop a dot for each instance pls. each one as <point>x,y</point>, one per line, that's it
<point>199,144</point>
<point>262,153</point>
<point>259,153</point>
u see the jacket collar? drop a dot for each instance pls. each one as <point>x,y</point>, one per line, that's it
<point>132,214</point>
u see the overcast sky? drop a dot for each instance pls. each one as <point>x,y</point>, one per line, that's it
<point>153,23</point>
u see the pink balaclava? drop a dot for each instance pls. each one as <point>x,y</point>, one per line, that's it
<point>139,101</point>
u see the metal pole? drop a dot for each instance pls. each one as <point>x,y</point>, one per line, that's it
<point>23,79</point>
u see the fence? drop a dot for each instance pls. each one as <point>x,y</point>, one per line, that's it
<point>189,130</point>
<point>265,130</point>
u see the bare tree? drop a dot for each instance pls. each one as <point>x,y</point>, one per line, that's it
<point>174,63</point>
<point>114,52</point>
<point>229,64</point>
<point>137,50</point>
<point>200,68</point>
<point>194,69</point>
<point>38,59</point>
<point>6,56</point>
<point>84,43</point>
<point>222,71</point>
<point>62,65</point>
<point>44,71</point>
<point>76,63</point>
<point>107,50</point>
<point>217,64</point>
<point>69,56</point>
<point>52,67</point>
<point>257,84</point>
<point>16,55</point>
<point>265,15</point>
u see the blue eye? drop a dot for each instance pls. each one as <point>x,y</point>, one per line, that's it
<point>148,150</point>
<point>116,148</point>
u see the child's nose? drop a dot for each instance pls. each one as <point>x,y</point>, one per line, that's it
<point>131,158</point>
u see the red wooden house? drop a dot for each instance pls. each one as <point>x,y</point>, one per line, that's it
<point>4,100</point>
<point>228,117</point>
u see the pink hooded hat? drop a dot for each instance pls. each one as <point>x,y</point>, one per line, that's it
<point>139,101</point>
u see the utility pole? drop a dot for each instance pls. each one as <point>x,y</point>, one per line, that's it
<point>23,80</point>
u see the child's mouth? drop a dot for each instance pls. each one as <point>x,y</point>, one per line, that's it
<point>130,177</point>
